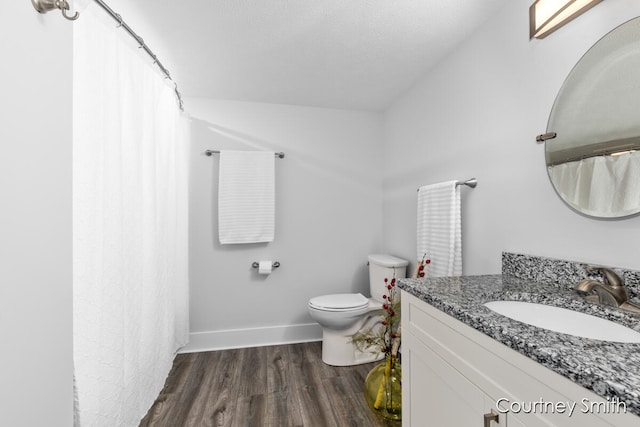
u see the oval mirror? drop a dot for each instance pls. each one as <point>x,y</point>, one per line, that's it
<point>594,160</point>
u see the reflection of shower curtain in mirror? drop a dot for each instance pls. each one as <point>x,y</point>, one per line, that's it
<point>606,186</point>
<point>130,225</point>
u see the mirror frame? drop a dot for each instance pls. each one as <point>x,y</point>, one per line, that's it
<point>606,147</point>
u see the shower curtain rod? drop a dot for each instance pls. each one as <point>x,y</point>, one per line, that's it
<point>44,6</point>
<point>143,45</point>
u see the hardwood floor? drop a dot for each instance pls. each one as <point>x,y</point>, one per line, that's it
<point>277,386</point>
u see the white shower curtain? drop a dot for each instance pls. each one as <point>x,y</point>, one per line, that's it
<point>603,186</point>
<point>130,225</point>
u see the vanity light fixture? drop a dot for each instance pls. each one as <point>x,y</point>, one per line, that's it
<point>546,16</point>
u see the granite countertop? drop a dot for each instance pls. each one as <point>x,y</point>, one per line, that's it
<point>609,369</point>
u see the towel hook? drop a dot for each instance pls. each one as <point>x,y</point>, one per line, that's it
<point>44,6</point>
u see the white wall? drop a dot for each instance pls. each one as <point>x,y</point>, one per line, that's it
<point>328,219</point>
<point>476,114</point>
<point>35,219</point>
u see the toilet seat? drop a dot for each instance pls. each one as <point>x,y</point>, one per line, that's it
<point>339,302</point>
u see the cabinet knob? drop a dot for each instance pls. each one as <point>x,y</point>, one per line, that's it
<point>491,416</point>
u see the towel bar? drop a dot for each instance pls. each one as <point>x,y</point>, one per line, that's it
<point>471,183</point>
<point>256,264</point>
<point>212,152</point>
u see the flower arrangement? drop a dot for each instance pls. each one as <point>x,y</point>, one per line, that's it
<point>385,339</point>
<point>383,386</point>
<point>421,266</point>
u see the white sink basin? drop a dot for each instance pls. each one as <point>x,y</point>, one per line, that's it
<point>564,321</point>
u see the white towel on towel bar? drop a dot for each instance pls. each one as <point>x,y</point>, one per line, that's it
<point>246,197</point>
<point>439,229</point>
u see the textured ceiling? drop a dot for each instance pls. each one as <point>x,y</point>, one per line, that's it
<point>353,54</point>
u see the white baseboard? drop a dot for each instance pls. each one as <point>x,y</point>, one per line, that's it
<point>253,337</point>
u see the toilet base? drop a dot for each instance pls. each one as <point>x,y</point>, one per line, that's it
<point>337,349</point>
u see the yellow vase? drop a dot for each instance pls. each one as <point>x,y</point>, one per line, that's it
<point>383,389</point>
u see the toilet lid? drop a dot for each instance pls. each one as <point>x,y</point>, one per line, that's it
<point>335,302</point>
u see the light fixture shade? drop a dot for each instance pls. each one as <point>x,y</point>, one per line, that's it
<point>546,16</point>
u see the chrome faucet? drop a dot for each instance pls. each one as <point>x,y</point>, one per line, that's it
<point>611,291</point>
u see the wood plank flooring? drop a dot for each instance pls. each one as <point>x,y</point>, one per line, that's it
<point>273,386</point>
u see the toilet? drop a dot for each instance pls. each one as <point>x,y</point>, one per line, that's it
<point>342,315</point>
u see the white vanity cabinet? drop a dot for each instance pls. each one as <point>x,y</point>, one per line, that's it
<point>441,396</point>
<point>452,375</point>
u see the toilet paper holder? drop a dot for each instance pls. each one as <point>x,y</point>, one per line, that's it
<point>256,264</point>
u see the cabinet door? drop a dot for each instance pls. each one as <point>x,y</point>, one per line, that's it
<point>441,396</point>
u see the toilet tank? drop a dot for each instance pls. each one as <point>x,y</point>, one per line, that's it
<point>382,267</point>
